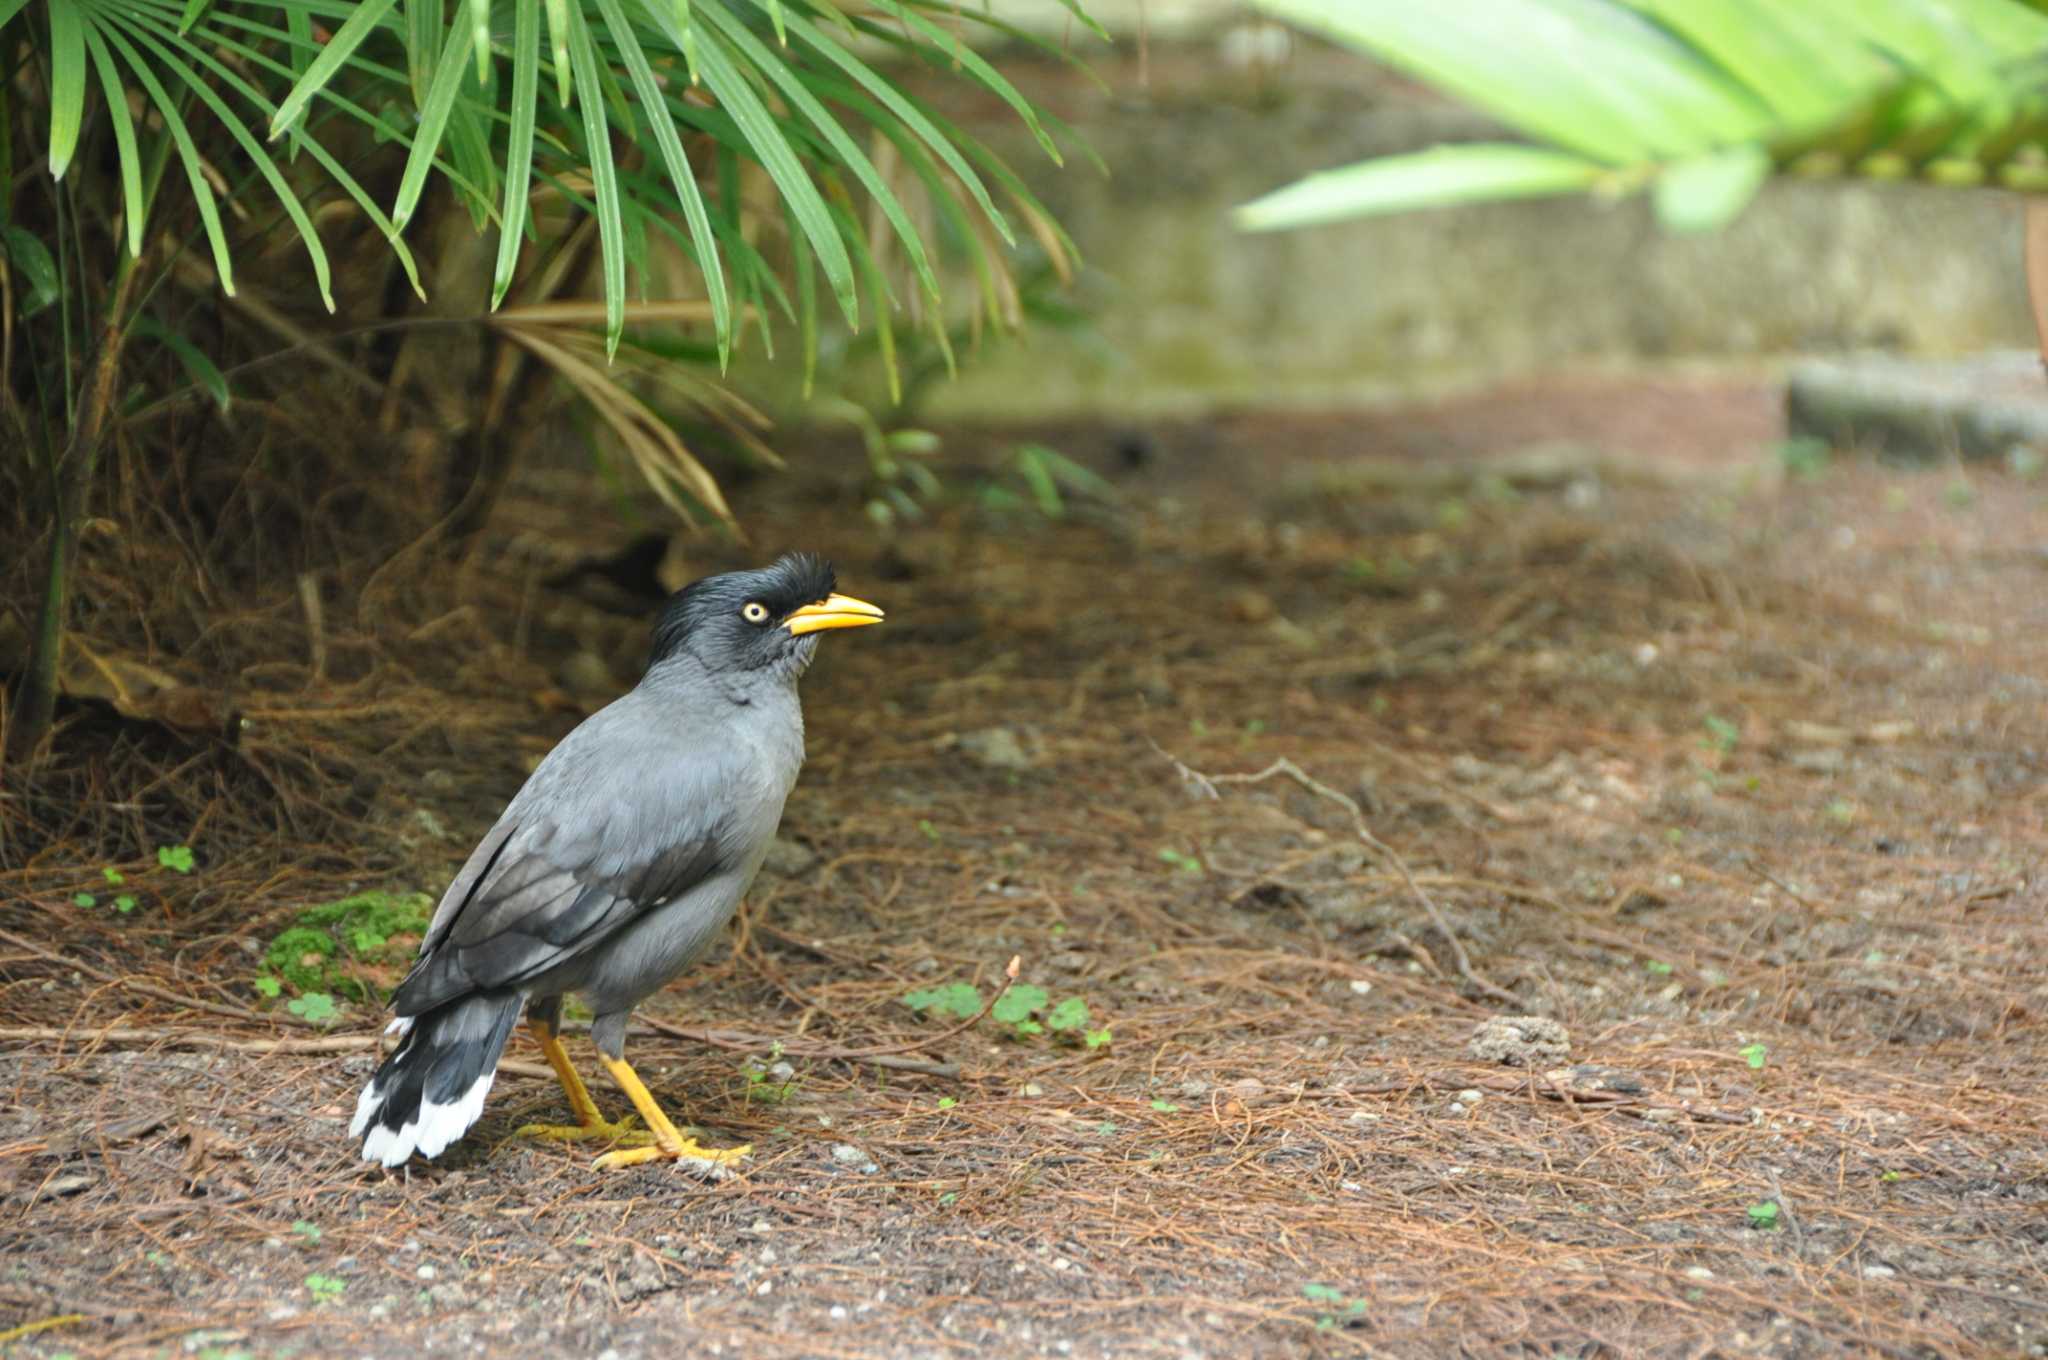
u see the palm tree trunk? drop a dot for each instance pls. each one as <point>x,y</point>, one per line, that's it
<point>35,703</point>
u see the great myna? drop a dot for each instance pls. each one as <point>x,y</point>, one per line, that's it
<point>613,868</point>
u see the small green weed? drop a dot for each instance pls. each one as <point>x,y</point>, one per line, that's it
<point>1025,1009</point>
<point>1186,863</point>
<point>1805,459</point>
<point>1161,1105</point>
<point>306,1231</point>
<point>962,999</point>
<point>1049,478</point>
<point>947,1102</point>
<point>174,857</point>
<point>1891,1178</point>
<point>1764,1217</point>
<point>1336,1306</point>
<point>771,1082</point>
<point>1756,1055</point>
<point>1658,969</point>
<point>314,1007</point>
<point>325,1288</point>
<point>1722,735</point>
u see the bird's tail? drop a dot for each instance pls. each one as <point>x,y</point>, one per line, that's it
<point>432,1087</point>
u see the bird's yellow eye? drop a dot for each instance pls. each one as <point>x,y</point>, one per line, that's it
<point>754,612</point>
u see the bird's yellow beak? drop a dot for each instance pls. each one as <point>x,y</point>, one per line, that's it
<point>834,611</point>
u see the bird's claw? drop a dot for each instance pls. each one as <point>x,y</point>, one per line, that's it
<point>625,1130</point>
<point>714,1163</point>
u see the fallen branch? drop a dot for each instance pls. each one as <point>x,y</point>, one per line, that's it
<point>1542,1087</point>
<point>1285,768</point>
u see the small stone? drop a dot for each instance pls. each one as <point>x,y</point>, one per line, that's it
<point>1662,1114</point>
<point>1472,1095</point>
<point>426,1272</point>
<point>1249,606</point>
<point>1362,1117</point>
<point>1031,1088</point>
<point>1454,1109</point>
<point>996,748</point>
<point>1698,1273</point>
<point>1520,1041</point>
<point>1062,1263</point>
<point>787,858</point>
<point>608,1353</point>
<point>1361,986</point>
<point>846,1154</point>
<point>1878,1272</point>
<point>837,1312</point>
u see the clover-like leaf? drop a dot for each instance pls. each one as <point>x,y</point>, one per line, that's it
<point>314,1007</point>
<point>956,998</point>
<point>1070,1014</point>
<point>1019,1004</point>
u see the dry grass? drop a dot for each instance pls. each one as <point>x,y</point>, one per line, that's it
<point>1277,1154</point>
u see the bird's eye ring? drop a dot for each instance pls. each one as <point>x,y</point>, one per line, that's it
<point>754,612</point>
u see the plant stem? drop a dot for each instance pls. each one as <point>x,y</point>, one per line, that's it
<point>35,704</point>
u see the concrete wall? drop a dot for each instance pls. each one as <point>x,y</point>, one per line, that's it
<point>1193,315</point>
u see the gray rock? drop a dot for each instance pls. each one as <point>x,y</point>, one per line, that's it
<point>788,858</point>
<point>1520,1041</point>
<point>997,748</point>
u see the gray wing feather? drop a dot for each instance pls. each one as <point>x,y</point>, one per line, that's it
<point>612,823</point>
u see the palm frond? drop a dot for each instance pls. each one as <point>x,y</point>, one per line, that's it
<point>1696,101</point>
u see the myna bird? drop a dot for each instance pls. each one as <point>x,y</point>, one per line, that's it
<point>613,869</point>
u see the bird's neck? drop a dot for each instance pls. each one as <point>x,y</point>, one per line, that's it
<point>684,677</point>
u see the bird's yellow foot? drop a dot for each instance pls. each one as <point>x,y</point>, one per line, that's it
<point>626,1130</point>
<point>716,1163</point>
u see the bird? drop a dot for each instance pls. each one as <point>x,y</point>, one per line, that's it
<point>611,870</point>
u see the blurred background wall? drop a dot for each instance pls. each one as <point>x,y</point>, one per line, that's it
<point>1202,107</point>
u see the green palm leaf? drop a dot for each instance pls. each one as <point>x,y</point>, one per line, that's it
<point>363,21</point>
<point>663,127</point>
<point>1697,100</point>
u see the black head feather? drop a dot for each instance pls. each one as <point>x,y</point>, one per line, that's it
<point>704,617</point>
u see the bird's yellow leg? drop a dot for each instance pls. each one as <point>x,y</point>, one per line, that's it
<point>590,1123</point>
<point>669,1143</point>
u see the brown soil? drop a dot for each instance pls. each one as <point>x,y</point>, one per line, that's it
<point>1737,776</point>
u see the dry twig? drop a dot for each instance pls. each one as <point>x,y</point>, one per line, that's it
<point>1205,784</point>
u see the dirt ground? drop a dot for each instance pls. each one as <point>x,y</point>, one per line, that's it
<point>1735,772</point>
